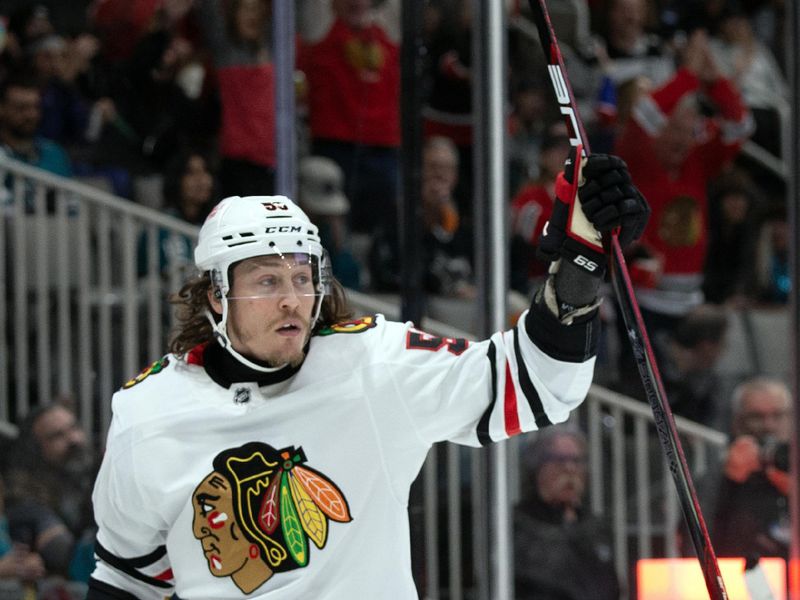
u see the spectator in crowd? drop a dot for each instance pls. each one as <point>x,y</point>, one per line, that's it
<point>238,37</point>
<point>167,100</point>
<point>561,551</point>
<point>20,117</point>
<point>612,108</point>
<point>69,117</point>
<point>321,196</point>
<point>731,241</point>
<point>49,479</point>
<point>769,21</point>
<point>751,516</point>
<point>676,18</point>
<point>120,24</point>
<point>17,561</point>
<point>673,152</point>
<point>189,189</point>
<point>630,50</point>
<point>747,62</point>
<point>27,23</point>
<point>448,109</point>
<point>772,281</point>
<point>530,101</point>
<point>65,113</point>
<point>350,58</point>
<point>531,208</point>
<point>446,241</point>
<point>690,353</point>
<point>190,186</point>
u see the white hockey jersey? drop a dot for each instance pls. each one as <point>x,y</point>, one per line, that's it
<point>298,489</point>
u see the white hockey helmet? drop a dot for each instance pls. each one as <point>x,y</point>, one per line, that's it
<point>243,227</point>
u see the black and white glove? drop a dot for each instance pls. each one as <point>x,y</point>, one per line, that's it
<point>607,201</point>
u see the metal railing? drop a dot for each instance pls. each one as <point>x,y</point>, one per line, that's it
<point>84,276</point>
<point>84,279</point>
<point>630,482</point>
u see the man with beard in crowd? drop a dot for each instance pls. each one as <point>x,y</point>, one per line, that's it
<point>50,476</point>
<point>751,512</point>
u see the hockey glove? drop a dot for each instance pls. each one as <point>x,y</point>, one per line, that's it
<point>607,200</point>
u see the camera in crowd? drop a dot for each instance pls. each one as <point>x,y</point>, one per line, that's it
<point>774,453</point>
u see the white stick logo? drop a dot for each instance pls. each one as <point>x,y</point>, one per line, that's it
<point>562,96</point>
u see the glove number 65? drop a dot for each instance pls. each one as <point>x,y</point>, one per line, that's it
<point>584,262</point>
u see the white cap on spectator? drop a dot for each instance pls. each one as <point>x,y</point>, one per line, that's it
<point>321,181</point>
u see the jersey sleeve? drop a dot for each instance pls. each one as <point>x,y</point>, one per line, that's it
<point>528,377</point>
<point>130,545</point>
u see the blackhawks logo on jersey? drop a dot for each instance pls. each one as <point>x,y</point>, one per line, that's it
<point>153,369</point>
<point>255,512</point>
<point>354,326</point>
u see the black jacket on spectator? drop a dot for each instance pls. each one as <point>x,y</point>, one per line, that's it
<point>555,560</point>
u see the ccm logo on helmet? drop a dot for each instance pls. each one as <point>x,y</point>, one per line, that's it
<point>284,229</point>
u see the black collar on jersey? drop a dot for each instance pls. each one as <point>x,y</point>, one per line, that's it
<point>225,370</point>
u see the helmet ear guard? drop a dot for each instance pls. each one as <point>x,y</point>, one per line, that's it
<point>216,283</point>
<point>325,274</point>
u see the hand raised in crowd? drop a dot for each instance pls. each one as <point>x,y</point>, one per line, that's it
<point>778,478</point>
<point>21,563</point>
<point>743,459</point>
<point>697,57</point>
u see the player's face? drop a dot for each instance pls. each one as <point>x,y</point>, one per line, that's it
<point>269,308</point>
<point>224,545</point>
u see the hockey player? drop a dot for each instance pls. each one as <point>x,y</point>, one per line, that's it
<point>271,453</point>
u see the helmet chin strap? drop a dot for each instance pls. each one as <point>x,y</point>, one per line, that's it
<point>221,334</point>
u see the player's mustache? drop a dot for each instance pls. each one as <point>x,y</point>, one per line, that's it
<point>294,316</point>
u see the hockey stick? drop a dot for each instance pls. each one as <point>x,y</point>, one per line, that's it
<point>637,334</point>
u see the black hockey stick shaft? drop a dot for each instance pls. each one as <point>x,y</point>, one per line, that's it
<point>637,334</point>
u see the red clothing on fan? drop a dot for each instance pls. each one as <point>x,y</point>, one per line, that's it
<point>678,228</point>
<point>248,113</point>
<point>354,86</point>
<point>246,82</point>
<point>121,23</point>
<point>530,210</point>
